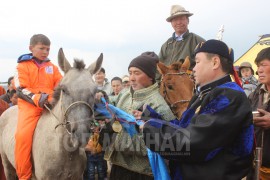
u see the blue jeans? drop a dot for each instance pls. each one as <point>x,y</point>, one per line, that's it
<point>95,162</point>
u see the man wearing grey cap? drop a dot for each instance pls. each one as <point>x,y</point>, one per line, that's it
<point>127,154</point>
<point>182,43</point>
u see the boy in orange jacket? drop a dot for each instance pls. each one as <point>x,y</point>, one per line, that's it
<point>35,79</point>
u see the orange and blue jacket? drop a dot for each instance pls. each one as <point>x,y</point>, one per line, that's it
<point>34,78</point>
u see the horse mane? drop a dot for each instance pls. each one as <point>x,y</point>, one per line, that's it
<point>78,64</point>
<point>56,96</point>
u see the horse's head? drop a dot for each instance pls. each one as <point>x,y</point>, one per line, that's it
<point>176,86</point>
<point>76,95</point>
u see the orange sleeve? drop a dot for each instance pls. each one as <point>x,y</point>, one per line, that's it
<point>22,76</point>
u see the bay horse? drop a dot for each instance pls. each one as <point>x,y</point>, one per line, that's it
<point>176,86</point>
<point>61,132</point>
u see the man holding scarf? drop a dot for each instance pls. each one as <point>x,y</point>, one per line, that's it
<point>214,138</point>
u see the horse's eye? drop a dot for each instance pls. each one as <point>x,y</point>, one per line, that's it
<point>170,87</point>
<point>65,91</point>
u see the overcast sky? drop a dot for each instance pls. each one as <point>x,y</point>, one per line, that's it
<point>121,29</point>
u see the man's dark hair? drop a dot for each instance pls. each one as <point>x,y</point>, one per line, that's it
<point>227,65</point>
<point>263,54</point>
<point>10,79</point>
<point>116,79</point>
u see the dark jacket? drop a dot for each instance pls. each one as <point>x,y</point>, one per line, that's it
<point>255,99</point>
<point>213,140</point>
<point>173,51</point>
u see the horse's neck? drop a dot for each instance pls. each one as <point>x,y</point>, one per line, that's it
<point>54,117</point>
<point>57,113</point>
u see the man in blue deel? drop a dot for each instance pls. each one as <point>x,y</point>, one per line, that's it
<point>214,138</point>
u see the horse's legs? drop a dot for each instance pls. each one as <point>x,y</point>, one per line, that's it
<point>10,171</point>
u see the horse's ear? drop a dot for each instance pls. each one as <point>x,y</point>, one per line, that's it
<point>185,66</point>
<point>62,61</point>
<point>162,68</point>
<point>94,67</point>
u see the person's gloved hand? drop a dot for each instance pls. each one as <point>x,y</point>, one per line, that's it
<point>43,100</point>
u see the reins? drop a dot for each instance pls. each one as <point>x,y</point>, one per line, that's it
<point>64,122</point>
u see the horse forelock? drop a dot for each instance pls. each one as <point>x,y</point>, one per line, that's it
<point>56,95</point>
<point>79,64</point>
<point>176,66</point>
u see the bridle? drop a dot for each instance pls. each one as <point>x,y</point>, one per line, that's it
<point>166,95</point>
<point>64,121</point>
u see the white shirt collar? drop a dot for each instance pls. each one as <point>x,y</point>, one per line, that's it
<point>180,37</point>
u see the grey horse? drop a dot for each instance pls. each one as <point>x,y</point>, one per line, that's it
<point>62,131</point>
